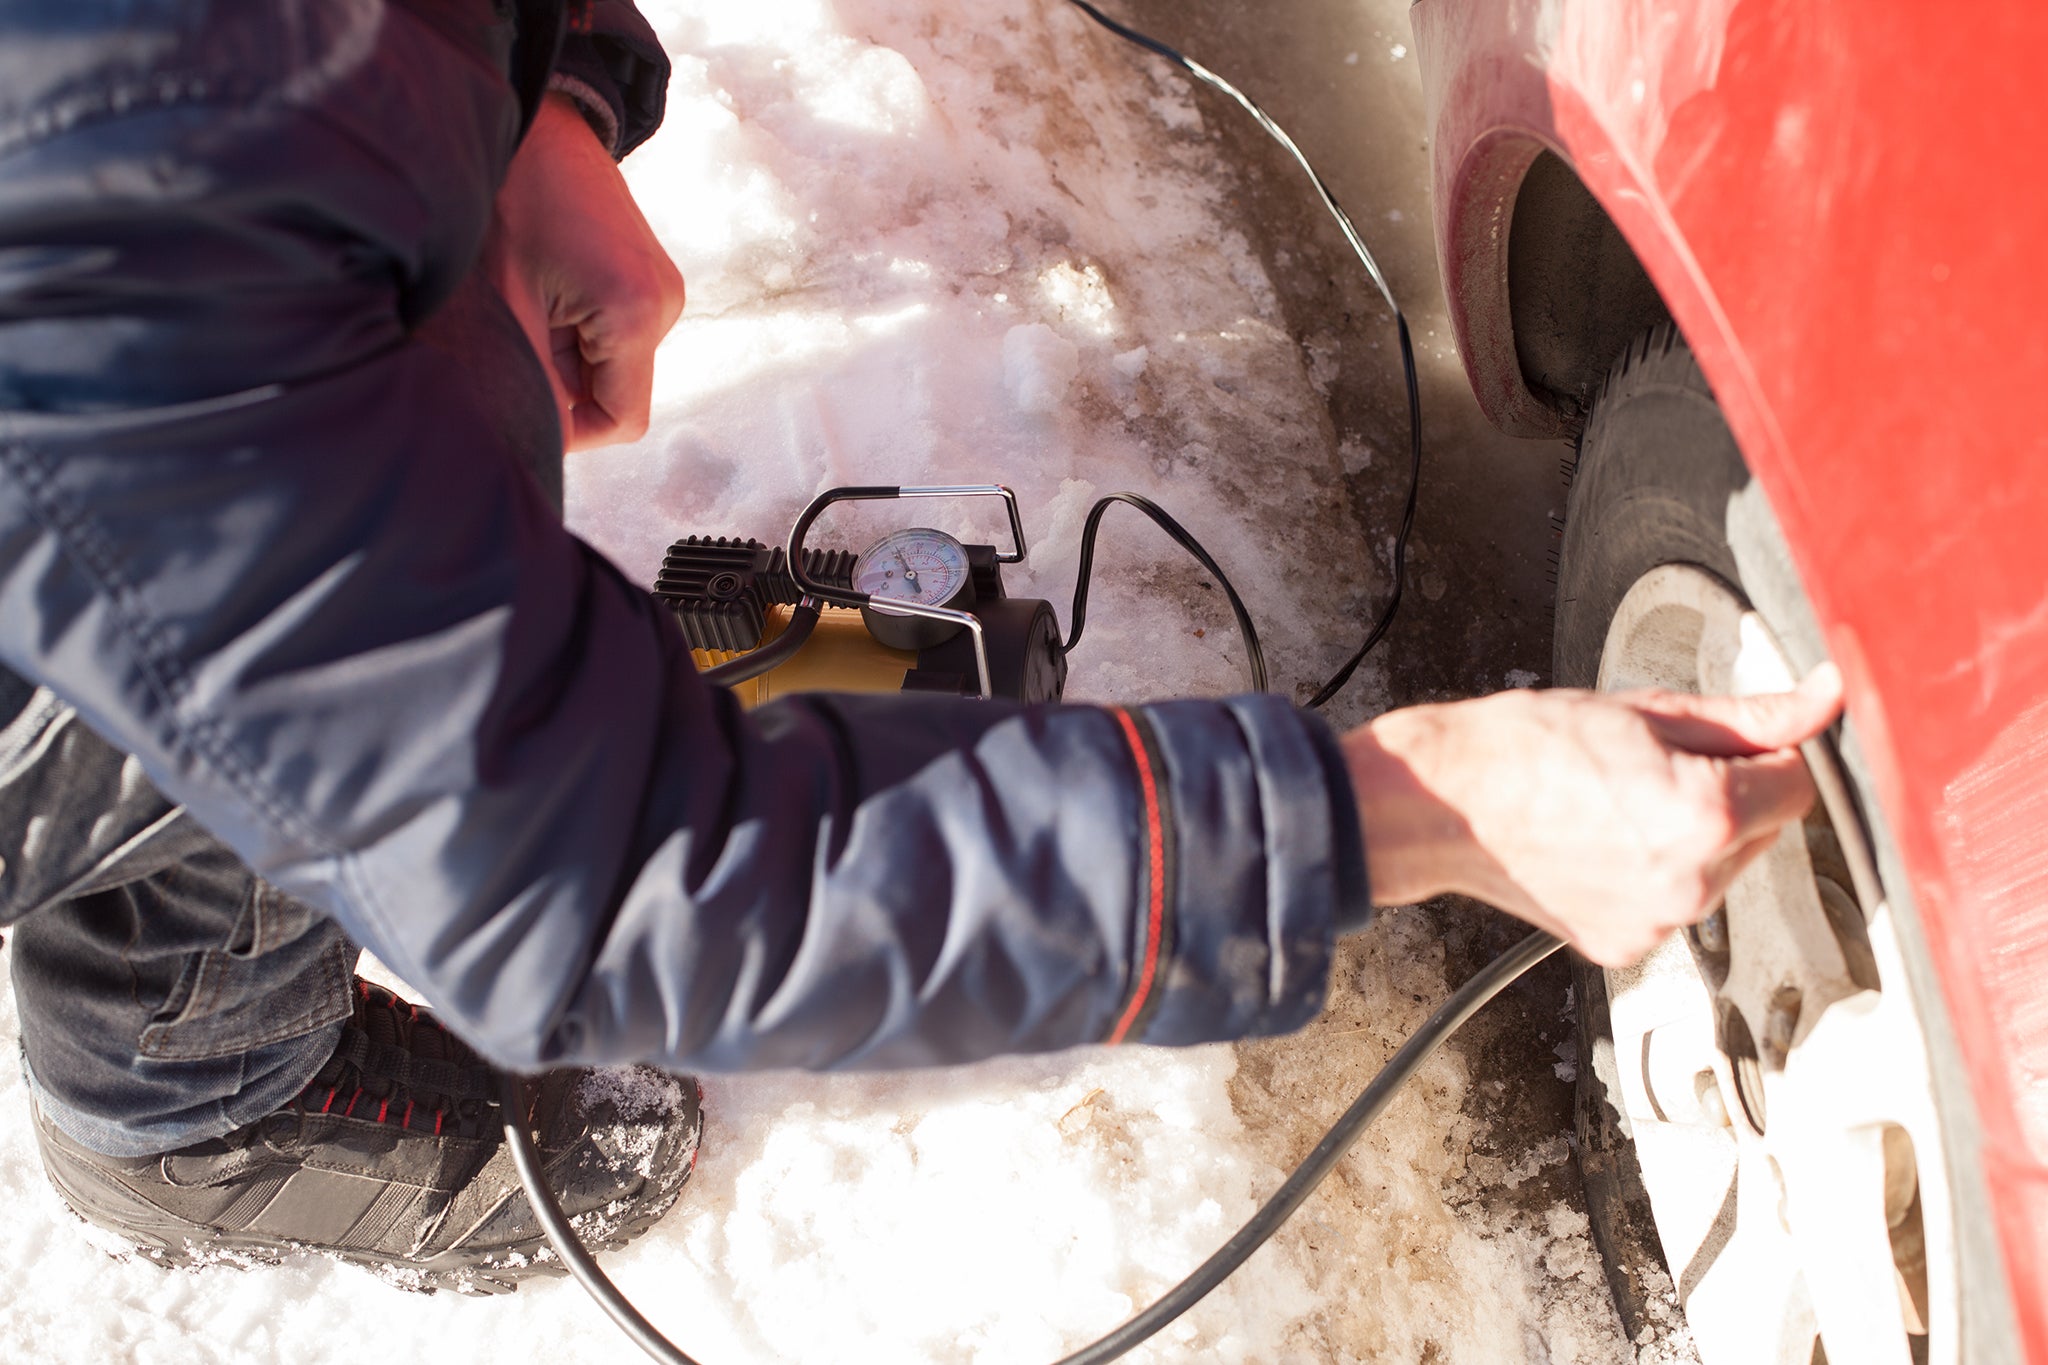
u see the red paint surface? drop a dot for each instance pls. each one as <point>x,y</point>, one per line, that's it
<point>1846,207</point>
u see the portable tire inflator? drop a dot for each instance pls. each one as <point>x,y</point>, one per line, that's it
<point>917,611</point>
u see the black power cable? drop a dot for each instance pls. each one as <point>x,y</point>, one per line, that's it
<point>1386,616</point>
<point>1255,657</point>
<point>1488,982</point>
<point>1372,268</point>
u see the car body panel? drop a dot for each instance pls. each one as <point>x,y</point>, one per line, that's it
<point>1844,206</point>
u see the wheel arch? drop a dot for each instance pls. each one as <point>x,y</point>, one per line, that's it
<point>1555,248</point>
<point>1549,272</point>
<point>1544,306</point>
<point>1577,294</point>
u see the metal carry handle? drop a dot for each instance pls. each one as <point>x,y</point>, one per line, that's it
<point>847,597</point>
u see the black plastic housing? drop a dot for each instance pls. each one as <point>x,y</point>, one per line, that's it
<point>721,589</point>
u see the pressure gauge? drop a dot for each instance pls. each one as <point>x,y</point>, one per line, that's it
<point>914,565</point>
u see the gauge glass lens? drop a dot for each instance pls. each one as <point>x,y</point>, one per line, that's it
<point>915,565</point>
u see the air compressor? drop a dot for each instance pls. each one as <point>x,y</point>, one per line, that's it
<point>917,611</point>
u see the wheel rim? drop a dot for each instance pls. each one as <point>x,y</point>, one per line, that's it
<point>1773,1070</point>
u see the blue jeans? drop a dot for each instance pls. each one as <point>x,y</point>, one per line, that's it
<point>167,994</point>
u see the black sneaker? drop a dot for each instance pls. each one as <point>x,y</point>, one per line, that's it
<point>394,1158</point>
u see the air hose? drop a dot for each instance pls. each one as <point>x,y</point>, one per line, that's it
<point>1488,982</point>
<point>774,654</point>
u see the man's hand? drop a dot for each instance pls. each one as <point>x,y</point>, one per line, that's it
<point>1608,819</point>
<point>585,276</point>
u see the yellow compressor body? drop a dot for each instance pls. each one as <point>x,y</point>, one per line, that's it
<point>841,656</point>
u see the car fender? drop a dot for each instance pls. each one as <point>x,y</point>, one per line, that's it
<point>1841,207</point>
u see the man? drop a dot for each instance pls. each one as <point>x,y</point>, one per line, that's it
<point>283,289</point>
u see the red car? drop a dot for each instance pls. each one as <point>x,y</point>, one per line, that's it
<point>1778,265</point>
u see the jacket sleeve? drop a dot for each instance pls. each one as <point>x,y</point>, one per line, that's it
<point>255,532</point>
<point>612,65</point>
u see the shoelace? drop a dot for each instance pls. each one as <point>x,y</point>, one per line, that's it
<point>396,1064</point>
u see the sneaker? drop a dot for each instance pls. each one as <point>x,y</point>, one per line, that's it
<point>394,1158</point>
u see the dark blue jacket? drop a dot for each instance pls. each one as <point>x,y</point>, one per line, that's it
<point>255,532</point>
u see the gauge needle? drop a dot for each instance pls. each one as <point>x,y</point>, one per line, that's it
<point>909,574</point>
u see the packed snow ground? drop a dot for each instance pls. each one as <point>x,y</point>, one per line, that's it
<point>937,244</point>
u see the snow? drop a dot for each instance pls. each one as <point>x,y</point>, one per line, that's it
<point>932,247</point>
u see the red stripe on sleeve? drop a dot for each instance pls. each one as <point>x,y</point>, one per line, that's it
<point>1156,880</point>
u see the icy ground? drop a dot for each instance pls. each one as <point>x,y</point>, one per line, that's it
<point>941,243</point>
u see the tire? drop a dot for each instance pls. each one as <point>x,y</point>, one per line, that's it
<point>1662,501</point>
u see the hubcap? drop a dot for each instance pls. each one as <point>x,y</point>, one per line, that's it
<point>1772,1066</point>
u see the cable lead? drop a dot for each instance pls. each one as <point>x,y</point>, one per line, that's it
<point>1372,267</point>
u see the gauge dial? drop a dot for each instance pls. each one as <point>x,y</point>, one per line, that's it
<point>914,565</point>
